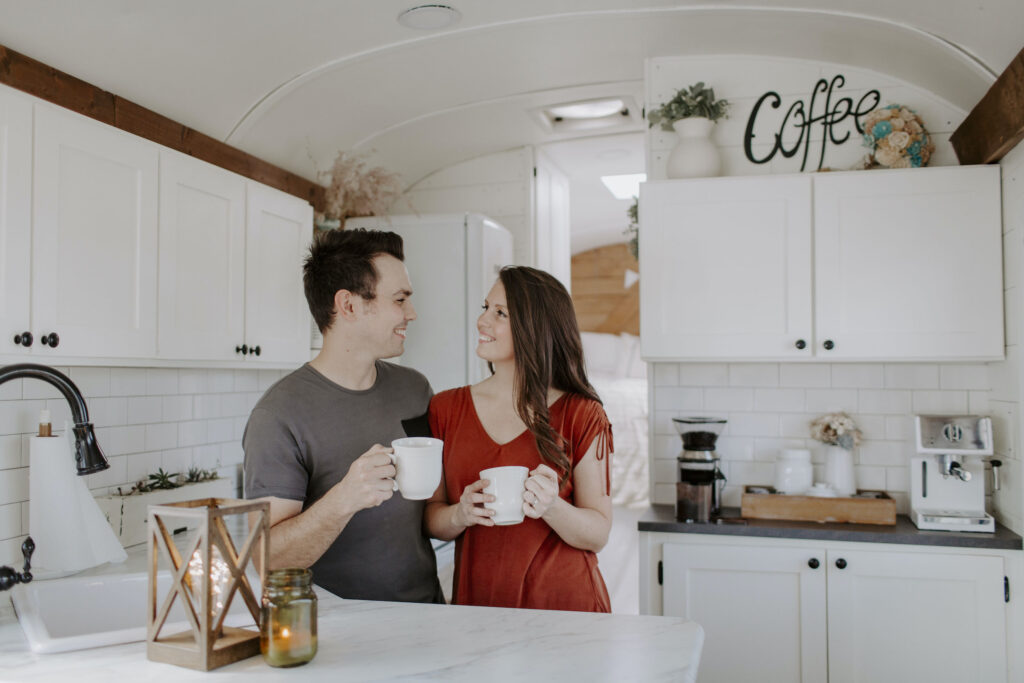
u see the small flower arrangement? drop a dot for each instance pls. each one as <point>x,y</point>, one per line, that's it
<point>897,138</point>
<point>836,429</point>
<point>357,189</point>
<point>688,103</point>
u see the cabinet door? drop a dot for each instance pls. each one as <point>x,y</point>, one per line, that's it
<point>94,238</point>
<point>915,617</point>
<point>762,610</point>
<point>202,260</point>
<point>15,219</point>
<point>725,268</point>
<point>279,228</point>
<point>908,264</point>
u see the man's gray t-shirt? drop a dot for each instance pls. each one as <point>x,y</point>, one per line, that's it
<point>301,438</point>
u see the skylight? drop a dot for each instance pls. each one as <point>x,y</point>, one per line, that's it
<point>591,109</point>
<point>624,186</point>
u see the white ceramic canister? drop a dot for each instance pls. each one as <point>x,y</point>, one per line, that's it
<point>793,472</point>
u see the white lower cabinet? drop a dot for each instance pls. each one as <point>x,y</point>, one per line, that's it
<point>839,612</point>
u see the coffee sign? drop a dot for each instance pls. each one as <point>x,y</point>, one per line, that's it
<point>800,118</point>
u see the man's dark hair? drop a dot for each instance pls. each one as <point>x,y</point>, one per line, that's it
<point>343,259</point>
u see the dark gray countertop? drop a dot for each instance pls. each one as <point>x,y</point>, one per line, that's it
<point>662,518</point>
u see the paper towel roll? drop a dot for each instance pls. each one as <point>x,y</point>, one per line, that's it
<point>69,529</point>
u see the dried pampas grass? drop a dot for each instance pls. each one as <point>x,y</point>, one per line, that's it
<point>358,190</point>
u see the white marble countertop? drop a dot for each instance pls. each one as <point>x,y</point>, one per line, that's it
<point>373,641</point>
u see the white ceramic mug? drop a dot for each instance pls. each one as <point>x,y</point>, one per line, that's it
<point>417,460</point>
<point>507,485</point>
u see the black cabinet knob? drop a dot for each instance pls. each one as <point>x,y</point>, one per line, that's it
<point>813,563</point>
<point>25,339</point>
<point>50,340</point>
<point>256,350</point>
<point>841,563</point>
<point>243,349</point>
<point>801,344</point>
<point>829,345</point>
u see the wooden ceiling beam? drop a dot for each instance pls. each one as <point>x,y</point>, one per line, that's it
<point>31,76</point>
<point>996,124</point>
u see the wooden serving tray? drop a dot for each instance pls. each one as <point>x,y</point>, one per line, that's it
<point>881,510</point>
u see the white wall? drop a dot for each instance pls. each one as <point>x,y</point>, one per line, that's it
<point>145,418</point>
<point>499,186</point>
<point>1006,378</point>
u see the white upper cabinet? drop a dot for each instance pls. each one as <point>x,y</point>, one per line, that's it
<point>908,264</point>
<point>279,228</point>
<point>15,223</point>
<point>726,268</point>
<point>94,251</point>
<point>895,265</point>
<point>202,260</point>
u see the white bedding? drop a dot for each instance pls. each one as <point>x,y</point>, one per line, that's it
<point>625,403</point>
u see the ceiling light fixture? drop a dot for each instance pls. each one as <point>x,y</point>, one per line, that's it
<point>429,17</point>
<point>624,186</point>
<point>590,109</point>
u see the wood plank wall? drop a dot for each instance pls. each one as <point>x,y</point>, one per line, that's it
<point>602,303</point>
<point>52,85</point>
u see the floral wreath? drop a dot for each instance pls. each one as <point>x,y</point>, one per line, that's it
<point>897,138</point>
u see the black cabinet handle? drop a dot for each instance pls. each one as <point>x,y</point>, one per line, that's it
<point>829,345</point>
<point>801,344</point>
<point>25,339</point>
<point>243,349</point>
<point>256,350</point>
<point>841,563</point>
<point>50,340</point>
<point>813,563</point>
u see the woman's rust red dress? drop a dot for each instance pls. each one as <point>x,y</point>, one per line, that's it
<point>528,564</point>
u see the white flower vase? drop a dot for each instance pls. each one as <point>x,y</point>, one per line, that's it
<point>839,472</point>
<point>694,156</point>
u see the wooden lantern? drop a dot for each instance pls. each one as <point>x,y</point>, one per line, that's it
<point>205,582</point>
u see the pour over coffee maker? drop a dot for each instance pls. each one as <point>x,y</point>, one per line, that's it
<point>700,484</point>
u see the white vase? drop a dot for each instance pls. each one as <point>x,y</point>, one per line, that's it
<point>694,156</point>
<point>839,472</point>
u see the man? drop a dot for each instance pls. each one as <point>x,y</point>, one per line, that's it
<point>313,444</point>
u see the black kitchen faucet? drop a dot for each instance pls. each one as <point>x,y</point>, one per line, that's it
<point>88,456</point>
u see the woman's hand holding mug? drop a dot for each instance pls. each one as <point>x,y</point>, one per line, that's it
<point>541,491</point>
<point>470,510</point>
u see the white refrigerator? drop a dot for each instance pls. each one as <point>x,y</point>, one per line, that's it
<point>452,259</point>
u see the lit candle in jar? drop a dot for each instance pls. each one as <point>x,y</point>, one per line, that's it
<point>288,624</point>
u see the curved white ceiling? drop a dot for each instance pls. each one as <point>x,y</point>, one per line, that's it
<point>295,82</point>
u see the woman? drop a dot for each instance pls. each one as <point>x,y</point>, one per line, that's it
<point>537,409</point>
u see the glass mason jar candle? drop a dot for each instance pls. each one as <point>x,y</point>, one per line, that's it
<point>288,628</point>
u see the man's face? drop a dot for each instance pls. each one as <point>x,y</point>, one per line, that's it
<point>384,319</point>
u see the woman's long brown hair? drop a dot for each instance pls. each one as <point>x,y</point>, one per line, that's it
<point>548,352</point>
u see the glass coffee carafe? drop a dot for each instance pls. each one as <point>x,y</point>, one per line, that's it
<point>700,483</point>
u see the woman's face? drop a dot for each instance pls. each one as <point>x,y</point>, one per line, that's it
<point>495,341</point>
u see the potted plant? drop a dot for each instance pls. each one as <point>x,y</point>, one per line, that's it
<point>127,511</point>
<point>357,189</point>
<point>691,113</point>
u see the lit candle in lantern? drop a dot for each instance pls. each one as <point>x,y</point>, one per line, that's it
<point>288,634</point>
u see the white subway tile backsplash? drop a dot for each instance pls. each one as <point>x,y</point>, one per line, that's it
<point>666,375</point>
<point>751,473</point>
<point>795,426</point>
<point>161,381</point>
<point>722,399</point>
<point>139,466</point>
<point>192,433</point>
<point>767,450</point>
<point>234,405</point>
<point>734,447</point>
<point>887,402</point>
<point>193,381</point>
<point>177,408</point>
<point>207,406</point>
<point>20,417</point>
<point>972,377</point>
<point>145,409</point>
<point>809,375</point>
<point>753,424</point>
<point>34,389</point>
<point>678,399</point>
<point>11,390</point>
<point>665,470</point>
<point>127,382</point>
<point>266,378</point>
<point>703,374</point>
<point>948,402</point>
<point>858,376</point>
<point>221,381</point>
<point>665,447</point>
<point>92,382</point>
<point>831,400</point>
<point>663,422</point>
<point>754,375</point>
<point>246,380</point>
<point>10,451</point>
<point>911,376</point>
<point>899,428</point>
<point>122,440</point>
<point>869,477</point>
<point>177,460</point>
<point>10,520</point>
<point>160,437</point>
<point>779,400</point>
<point>13,485</point>
<point>231,453</point>
<point>60,413</point>
<point>978,403</point>
<point>883,453</point>
<point>897,479</point>
<point>220,430</point>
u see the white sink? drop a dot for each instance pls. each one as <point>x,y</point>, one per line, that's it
<point>77,613</point>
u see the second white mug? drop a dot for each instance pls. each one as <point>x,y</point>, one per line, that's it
<point>507,485</point>
<point>418,463</point>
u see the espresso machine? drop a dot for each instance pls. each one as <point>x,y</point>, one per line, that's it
<point>700,484</point>
<point>947,478</point>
